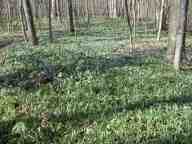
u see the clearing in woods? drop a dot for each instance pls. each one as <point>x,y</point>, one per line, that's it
<point>90,88</point>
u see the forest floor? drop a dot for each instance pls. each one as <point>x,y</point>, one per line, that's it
<point>87,88</point>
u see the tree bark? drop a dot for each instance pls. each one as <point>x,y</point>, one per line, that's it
<point>173,19</point>
<point>22,18</point>
<point>129,24</point>
<point>50,22</point>
<point>53,8</point>
<point>9,15</point>
<point>180,35</point>
<point>112,8</point>
<point>30,23</point>
<point>71,19</point>
<point>161,20</point>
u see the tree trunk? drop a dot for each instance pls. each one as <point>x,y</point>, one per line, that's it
<point>113,8</point>
<point>129,24</point>
<point>22,18</point>
<point>71,19</point>
<point>30,23</point>
<point>53,8</point>
<point>161,20</point>
<point>180,35</point>
<point>9,16</point>
<point>50,22</point>
<point>59,11</point>
<point>134,19</point>
<point>173,19</point>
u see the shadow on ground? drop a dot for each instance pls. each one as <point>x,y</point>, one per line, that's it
<point>83,120</point>
<point>87,119</point>
<point>5,131</point>
<point>42,73</point>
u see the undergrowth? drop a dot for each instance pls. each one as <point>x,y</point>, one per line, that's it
<point>90,95</point>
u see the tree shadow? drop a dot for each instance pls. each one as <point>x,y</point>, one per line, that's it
<point>142,105</point>
<point>42,73</point>
<point>83,120</point>
<point>5,43</point>
<point>8,134</point>
<point>105,35</point>
<point>5,131</point>
<point>108,114</point>
<point>173,139</point>
<point>87,119</point>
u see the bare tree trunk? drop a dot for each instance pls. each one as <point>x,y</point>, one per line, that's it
<point>173,19</point>
<point>112,8</point>
<point>129,24</point>
<point>88,12</point>
<point>134,19</point>
<point>50,22</point>
<point>71,19</point>
<point>161,20</point>
<point>180,35</point>
<point>30,23</point>
<point>9,16</point>
<point>59,11</point>
<point>22,18</point>
<point>53,8</point>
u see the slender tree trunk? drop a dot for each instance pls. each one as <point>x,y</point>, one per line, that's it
<point>134,19</point>
<point>180,35</point>
<point>22,18</point>
<point>112,8</point>
<point>50,22</point>
<point>9,16</point>
<point>129,23</point>
<point>53,8</point>
<point>59,11</point>
<point>88,12</point>
<point>30,23</point>
<point>161,20</point>
<point>71,19</point>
